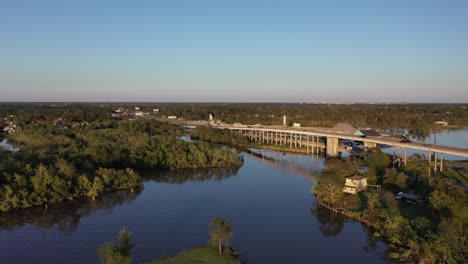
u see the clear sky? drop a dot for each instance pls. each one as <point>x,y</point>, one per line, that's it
<point>220,50</point>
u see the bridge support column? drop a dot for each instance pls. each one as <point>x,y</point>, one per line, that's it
<point>441,161</point>
<point>315,139</point>
<point>332,147</point>
<point>290,139</point>
<point>406,157</point>
<point>435,162</point>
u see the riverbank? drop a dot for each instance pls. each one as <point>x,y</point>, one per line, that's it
<point>201,255</point>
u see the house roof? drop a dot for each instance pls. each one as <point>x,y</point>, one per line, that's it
<point>343,128</point>
<point>356,177</point>
<point>369,132</point>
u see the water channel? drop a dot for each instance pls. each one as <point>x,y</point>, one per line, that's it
<point>268,202</point>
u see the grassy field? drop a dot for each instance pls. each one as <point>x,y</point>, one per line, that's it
<point>200,255</point>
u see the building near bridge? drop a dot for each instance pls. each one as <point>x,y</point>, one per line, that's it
<point>355,184</point>
<point>367,133</point>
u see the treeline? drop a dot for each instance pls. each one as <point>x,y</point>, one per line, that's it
<point>418,118</point>
<point>58,164</point>
<point>218,136</point>
<point>434,231</point>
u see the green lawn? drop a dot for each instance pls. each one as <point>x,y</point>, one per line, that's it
<point>200,255</point>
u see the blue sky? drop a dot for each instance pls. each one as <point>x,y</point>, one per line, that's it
<point>197,50</point>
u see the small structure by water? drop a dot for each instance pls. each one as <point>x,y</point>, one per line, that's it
<point>355,184</point>
<point>409,197</point>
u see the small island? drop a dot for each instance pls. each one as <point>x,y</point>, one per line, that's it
<point>217,251</point>
<point>202,255</point>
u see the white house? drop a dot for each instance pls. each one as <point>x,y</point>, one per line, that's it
<point>355,184</point>
<point>172,117</point>
<point>442,123</point>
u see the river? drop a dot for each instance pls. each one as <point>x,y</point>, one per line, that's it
<point>268,202</point>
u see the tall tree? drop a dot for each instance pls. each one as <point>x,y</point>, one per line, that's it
<point>220,232</point>
<point>110,253</point>
<point>125,241</point>
<point>97,188</point>
<point>330,187</point>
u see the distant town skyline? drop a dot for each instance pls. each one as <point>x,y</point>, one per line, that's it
<point>234,51</point>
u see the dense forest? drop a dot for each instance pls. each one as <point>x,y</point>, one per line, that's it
<point>59,163</point>
<point>433,231</point>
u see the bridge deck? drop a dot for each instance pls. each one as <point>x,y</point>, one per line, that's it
<point>390,141</point>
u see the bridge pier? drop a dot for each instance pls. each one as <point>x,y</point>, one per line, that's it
<point>438,164</point>
<point>441,161</point>
<point>332,147</point>
<point>405,159</point>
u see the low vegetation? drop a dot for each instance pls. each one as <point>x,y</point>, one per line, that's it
<point>57,164</point>
<point>202,255</point>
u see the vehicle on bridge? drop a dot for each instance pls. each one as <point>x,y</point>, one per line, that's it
<point>404,139</point>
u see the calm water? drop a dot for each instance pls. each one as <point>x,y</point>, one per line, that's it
<point>267,201</point>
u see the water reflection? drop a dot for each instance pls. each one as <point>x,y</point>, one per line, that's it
<point>65,216</point>
<point>331,224</point>
<point>192,175</point>
<point>293,163</point>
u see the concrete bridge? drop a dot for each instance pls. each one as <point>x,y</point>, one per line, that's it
<point>318,140</point>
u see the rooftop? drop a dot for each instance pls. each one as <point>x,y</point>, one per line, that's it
<point>356,177</point>
<point>370,132</point>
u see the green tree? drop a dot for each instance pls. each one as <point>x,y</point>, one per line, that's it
<point>41,181</point>
<point>377,161</point>
<point>373,202</point>
<point>220,232</point>
<point>125,241</point>
<point>110,253</point>
<point>394,179</point>
<point>330,188</point>
<point>453,240</point>
<point>97,188</point>
<point>132,179</point>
